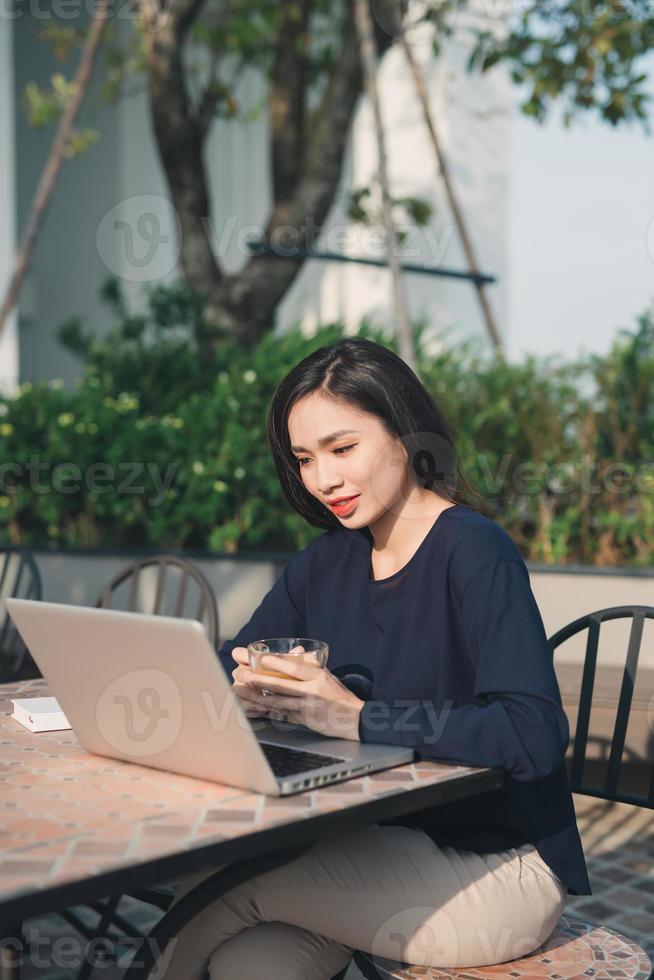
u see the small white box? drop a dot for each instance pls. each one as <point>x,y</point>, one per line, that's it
<point>40,714</point>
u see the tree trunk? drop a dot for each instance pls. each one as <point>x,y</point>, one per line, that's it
<point>180,141</point>
<point>251,296</point>
<point>304,182</point>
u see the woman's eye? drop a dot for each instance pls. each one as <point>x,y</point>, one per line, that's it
<point>302,459</point>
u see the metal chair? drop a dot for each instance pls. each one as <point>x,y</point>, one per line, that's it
<point>19,578</point>
<point>593,622</point>
<point>146,583</point>
<point>160,585</point>
<point>589,948</point>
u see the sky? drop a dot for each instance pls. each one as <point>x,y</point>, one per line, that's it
<point>581,232</point>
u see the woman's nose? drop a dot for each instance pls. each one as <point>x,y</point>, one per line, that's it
<point>327,479</point>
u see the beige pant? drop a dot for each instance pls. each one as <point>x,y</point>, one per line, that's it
<point>390,891</point>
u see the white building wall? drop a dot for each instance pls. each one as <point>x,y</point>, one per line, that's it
<point>111,212</point>
<point>9,338</point>
<point>67,270</point>
<point>238,174</point>
<point>137,239</point>
<point>471,119</point>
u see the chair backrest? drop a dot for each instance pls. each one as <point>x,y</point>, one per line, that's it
<point>163,585</point>
<point>20,579</point>
<point>593,622</point>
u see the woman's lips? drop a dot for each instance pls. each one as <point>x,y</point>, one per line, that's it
<point>346,507</point>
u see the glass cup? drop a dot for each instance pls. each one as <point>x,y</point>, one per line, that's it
<point>289,647</point>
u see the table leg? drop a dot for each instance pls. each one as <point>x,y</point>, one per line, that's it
<point>11,952</point>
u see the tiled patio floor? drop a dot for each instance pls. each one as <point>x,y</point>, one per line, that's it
<point>618,842</point>
<point>619,845</point>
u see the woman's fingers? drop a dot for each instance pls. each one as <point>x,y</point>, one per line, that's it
<point>250,701</point>
<point>278,703</point>
<point>243,671</point>
<point>246,693</point>
<point>240,654</point>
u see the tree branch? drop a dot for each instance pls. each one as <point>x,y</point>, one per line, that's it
<point>251,295</point>
<point>180,14</point>
<point>50,173</point>
<point>180,142</point>
<point>288,96</point>
<point>365,27</point>
<point>448,183</point>
<point>209,98</point>
<point>212,96</point>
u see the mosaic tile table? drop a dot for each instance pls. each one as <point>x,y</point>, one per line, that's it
<point>75,827</point>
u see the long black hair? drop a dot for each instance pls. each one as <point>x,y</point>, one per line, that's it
<point>373,379</point>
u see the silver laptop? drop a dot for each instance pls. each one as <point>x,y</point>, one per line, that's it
<point>151,690</point>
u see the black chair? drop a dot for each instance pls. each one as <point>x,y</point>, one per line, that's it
<point>159,585</point>
<point>20,579</point>
<point>593,622</point>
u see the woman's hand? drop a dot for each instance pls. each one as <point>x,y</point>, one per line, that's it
<point>311,695</point>
<point>248,696</point>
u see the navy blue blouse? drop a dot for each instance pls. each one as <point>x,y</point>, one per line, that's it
<point>450,656</point>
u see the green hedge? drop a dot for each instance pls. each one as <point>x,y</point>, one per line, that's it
<point>162,441</point>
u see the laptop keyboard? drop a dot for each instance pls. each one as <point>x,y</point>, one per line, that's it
<point>285,761</point>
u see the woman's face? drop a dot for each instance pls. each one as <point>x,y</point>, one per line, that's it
<point>364,460</point>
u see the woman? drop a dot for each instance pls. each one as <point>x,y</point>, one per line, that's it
<point>435,642</point>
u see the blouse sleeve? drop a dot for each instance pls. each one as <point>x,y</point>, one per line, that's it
<point>280,613</point>
<point>516,721</point>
